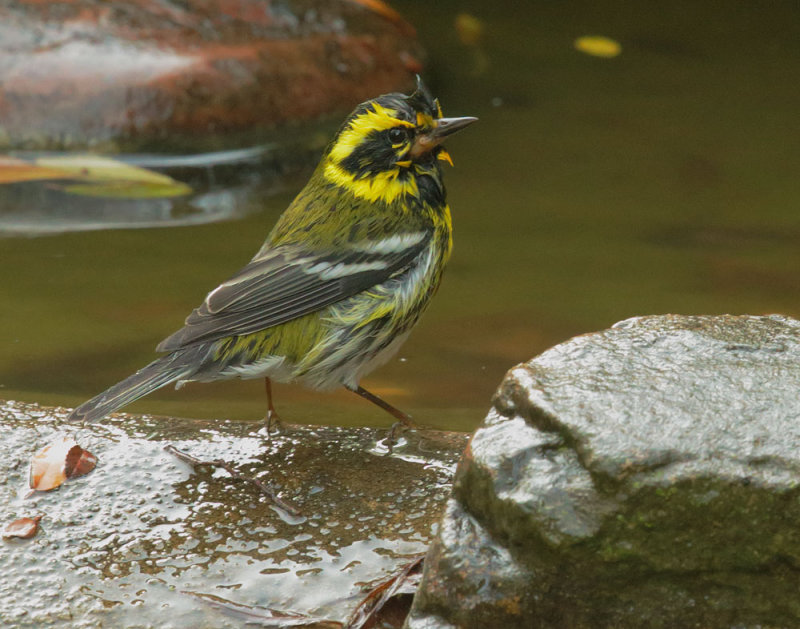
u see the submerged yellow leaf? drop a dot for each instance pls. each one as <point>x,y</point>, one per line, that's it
<point>130,189</point>
<point>95,176</point>
<point>99,176</point>
<point>469,29</point>
<point>598,46</point>
<point>98,168</point>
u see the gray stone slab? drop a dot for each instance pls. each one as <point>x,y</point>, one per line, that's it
<point>127,545</point>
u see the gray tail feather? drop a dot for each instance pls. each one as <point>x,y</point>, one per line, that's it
<point>154,376</point>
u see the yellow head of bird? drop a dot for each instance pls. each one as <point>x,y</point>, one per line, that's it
<point>388,142</point>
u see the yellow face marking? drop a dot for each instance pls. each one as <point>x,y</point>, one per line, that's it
<point>384,186</point>
<point>377,118</point>
<point>438,108</point>
<point>445,156</point>
<point>424,120</point>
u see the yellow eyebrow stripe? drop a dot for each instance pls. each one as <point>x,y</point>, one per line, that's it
<point>377,118</point>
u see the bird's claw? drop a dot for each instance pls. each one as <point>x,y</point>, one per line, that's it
<point>272,422</point>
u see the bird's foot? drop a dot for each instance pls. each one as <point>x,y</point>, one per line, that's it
<point>396,431</point>
<point>272,422</point>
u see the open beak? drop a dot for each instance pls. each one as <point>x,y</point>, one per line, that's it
<point>445,127</point>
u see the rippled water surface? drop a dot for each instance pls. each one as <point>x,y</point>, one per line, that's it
<point>592,190</point>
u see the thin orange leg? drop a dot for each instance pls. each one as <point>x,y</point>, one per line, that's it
<point>405,419</point>
<point>272,417</point>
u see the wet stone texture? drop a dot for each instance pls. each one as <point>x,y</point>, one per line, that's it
<point>643,476</point>
<point>136,74</point>
<point>146,541</point>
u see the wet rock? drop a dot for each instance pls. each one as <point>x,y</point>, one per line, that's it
<point>145,540</point>
<point>643,476</point>
<point>136,74</point>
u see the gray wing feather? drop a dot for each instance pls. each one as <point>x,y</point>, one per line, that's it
<point>286,283</point>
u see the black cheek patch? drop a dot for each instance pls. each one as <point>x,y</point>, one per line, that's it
<point>374,155</point>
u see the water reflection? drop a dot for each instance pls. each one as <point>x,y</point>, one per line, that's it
<point>661,180</point>
<point>216,186</point>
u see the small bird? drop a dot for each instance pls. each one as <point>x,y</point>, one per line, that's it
<point>343,276</point>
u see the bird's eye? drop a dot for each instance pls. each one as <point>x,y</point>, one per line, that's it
<point>397,135</point>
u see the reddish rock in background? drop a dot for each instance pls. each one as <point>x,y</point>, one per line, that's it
<point>139,74</point>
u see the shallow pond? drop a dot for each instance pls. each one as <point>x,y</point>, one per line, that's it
<point>592,190</point>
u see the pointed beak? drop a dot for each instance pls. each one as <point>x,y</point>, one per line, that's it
<point>448,126</point>
<point>445,127</point>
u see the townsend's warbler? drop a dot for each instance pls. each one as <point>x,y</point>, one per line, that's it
<point>342,278</point>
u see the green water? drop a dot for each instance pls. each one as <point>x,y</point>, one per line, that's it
<point>592,190</point>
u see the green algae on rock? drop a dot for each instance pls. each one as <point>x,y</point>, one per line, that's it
<point>644,476</point>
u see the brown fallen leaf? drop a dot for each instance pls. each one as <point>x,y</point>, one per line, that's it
<point>57,462</point>
<point>23,528</point>
<point>369,610</point>
<point>79,462</point>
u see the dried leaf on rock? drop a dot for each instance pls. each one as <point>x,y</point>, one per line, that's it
<point>23,528</point>
<point>57,462</point>
<point>79,462</point>
<point>369,612</point>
